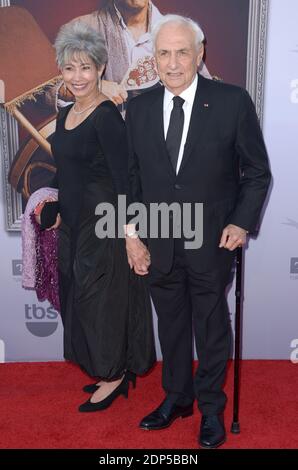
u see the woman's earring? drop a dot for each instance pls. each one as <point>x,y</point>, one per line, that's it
<point>63,86</point>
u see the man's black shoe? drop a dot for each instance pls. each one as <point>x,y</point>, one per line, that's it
<point>164,415</point>
<point>212,431</point>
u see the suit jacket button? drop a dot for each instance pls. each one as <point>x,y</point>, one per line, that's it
<point>177,186</point>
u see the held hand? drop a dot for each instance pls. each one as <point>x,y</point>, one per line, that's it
<point>138,256</point>
<point>115,92</point>
<point>232,237</point>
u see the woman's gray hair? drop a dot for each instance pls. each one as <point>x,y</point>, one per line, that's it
<point>78,37</point>
<point>178,20</point>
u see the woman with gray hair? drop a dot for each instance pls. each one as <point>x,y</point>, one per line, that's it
<point>105,307</point>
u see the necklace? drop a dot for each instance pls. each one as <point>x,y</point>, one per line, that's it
<point>86,109</point>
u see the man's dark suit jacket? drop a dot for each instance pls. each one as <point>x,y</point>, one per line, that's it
<point>225,166</point>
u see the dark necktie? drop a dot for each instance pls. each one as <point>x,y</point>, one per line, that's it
<point>174,135</point>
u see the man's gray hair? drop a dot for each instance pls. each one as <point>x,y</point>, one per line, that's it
<point>78,37</point>
<point>178,20</point>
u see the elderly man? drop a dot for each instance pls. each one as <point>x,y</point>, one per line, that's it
<point>194,141</point>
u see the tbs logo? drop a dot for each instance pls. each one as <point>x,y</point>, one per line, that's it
<point>41,321</point>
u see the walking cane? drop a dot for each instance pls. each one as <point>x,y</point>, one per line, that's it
<point>235,428</point>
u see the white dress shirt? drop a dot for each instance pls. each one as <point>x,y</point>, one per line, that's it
<point>188,95</point>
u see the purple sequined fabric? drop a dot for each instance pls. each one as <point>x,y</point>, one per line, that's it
<point>46,267</point>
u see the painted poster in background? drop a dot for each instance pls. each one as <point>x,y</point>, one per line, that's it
<point>32,331</point>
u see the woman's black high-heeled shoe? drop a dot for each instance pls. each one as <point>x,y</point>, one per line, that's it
<point>92,388</point>
<point>122,389</point>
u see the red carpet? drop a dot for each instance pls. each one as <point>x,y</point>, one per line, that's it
<point>38,409</point>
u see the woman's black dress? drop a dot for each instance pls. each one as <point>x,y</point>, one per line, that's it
<point>105,307</point>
